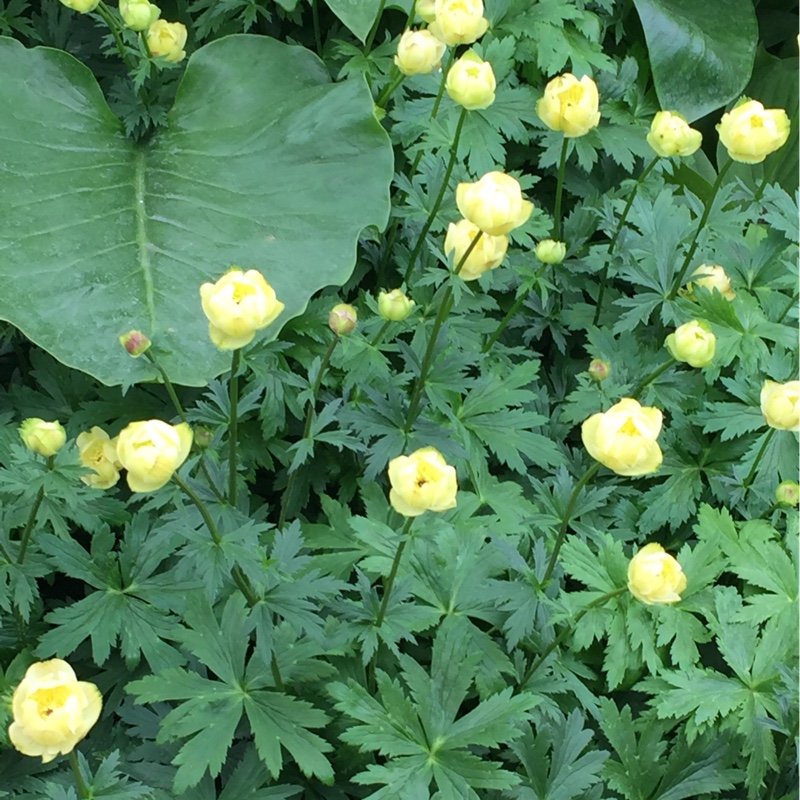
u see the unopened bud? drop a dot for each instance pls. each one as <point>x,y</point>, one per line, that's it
<point>44,438</point>
<point>787,494</point>
<point>549,251</point>
<point>394,306</point>
<point>138,15</point>
<point>342,319</point>
<point>599,370</point>
<point>135,342</point>
<point>203,437</point>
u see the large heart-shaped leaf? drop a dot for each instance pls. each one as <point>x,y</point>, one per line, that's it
<point>701,53</point>
<point>264,164</point>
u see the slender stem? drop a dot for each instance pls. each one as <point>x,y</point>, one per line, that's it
<point>80,784</point>
<point>600,601</point>
<point>374,29</point>
<point>788,745</point>
<point>387,587</point>
<point>559,190</point>
<point>650,378</point>
<point>565,520</point>
<point>451,57</point>
<point>749,479</point>
<point>703,219</point>
<point>631,197</point>
<point>104,11</point>
<point>388,90</point>
<point>317,29</point>
<point>37,502</point>
<point>233,428</point>
<point>438,202</point>
<point>379,334</point>
<point>6,555</point>
<point>792,303</point>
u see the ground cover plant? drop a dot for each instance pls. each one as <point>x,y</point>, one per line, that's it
<point>399,400</point>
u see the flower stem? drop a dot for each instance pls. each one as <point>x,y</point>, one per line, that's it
<point>233,427</point>
<point>703,219</point>
<point>374,29</point>
<point>379,334</point>
<point>389,89</point>
<point>26,533</point>
<point>451,57</point>
<point>631,197</point>
<point>317,28</point>
<point>749,479</point>
<point>647,380</point>
<point>560,190</point>
<point>600,601</point>
<point>438,202</point>
<point>80,784</point>
<point>792,303</point>
<point>108,17</point>
<point>387,587</point>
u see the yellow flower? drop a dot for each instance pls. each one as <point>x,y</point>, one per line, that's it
<point>751,132</point>
<point>494,203</point>
<point>151,451</point>
<point>81,6</point>
<point>138,14</point>
<point>624,438</point>
<point>343,319</point>
<point>167,39</point>
<point>44,438</point>
<point>711,277</point>
<point>419,52</point>
<point>780,405</point>
<point>98,452</point>
<point>549,251</point>
<point>458,21</point>
<point>655,576</point>
<point>426,9</point>
<point>135,343</point>
<point>487,254</point>
<point>670,135</point>
<point>692,343</point>
<point>52,709</point>
<point>422,482</point>
<point>237,305</point>
<point>470,82</point>
<point>394,306</point>
<point>570,105</point>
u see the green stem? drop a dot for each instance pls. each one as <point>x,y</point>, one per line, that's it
<point>451,57</point>
<point>789,307</point>
<point>438,202</point>
<point>565,520</point>
<point>6,555</point>
<point>233,428</point>
<point>559,190</point>
<point>287,494</point>
<point>631,197</point>
<point>80,784</point>
<point>379,334</point>
<point>388,90</point>
<point>600,601</point>
<point>703,220</point>
<point>650,378</point>
<point>317,29</point>
<point>749,479</point>
<point>788,745</point>
<point>387,587</point>
<point>109,19</point>
<point>26,533</point>
<point>374,29</point>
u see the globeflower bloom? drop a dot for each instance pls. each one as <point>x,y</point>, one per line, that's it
<point>712,277</point>
<point>780,405</point>
<point>570,105</point>
<point>751,132</point>
<point>44,438</point>
<point>458,21</point>
<point>343,319</point>
<point>487,254</point>
<point>52,710</point>
<point>549,251</point>
<point>419,52</point>
<point>624,438</point>
<point>693,343</point>
<point>135,343</point>
<point>422,482</point>
<point>237,305</point>
<point>98,451</point>
<point>167,39</point>
<point>395,306</point>
<point>655,577</point>
<point>494,203</point>
<point>138,15</point>
<point>670,135</point>
<point>81,6</point>
<point>151,451</point>
<point>471,82</point>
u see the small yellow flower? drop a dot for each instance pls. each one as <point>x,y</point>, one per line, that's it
<point>53,710</point>
<point>654,576</point>
<point>751,132</point>
<point>343,319</point>
<point>711,277</point>
<point>81,6</point>
<point>670,135</point>
<point>426,10</point>
<point>470,82</point>
<point>167,39</point>
<point>494,203</point>
<point>44,438</point>
<point>151,451</point>
<point>422,482</point>
<point>394,306</point>
<point>780,405</point>
<point>98,452</point>
<point>237,305</point>
<point>549,251</point>
<point>419,52</point>
<point>487,254</point>
<point>138,15</point>
<point>693,343</point>
<point>624,438</point>
<point>458,21</point>
<point>570,105</point>
<point>135,343</point>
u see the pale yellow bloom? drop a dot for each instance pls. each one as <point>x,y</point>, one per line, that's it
<point>487,254</point>
<point>98,452</point>
<point>167,39</point>
<point>394,306</point>
<point>549,251</point>
<point>151,451</point>
<point>751,132</point>
<point>711,277</point>
<point>426,9</point>
<point>471,82</point>
<point>81,6</point>
<point>343,319</point>
<point>693,343</point>
<point>494,203</point>
<point>44,438</point>
<point>780,405</point>
<point>422,482</point>
<point>419,52</point>
<point>138,15</point>
<point>570,105</point>
<point>458,21</point>
<point>670,135</point>
<point>654,576</point>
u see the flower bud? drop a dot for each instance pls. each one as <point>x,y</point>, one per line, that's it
<point>343,319</point>
<point>81,6</point>
<point>458,21</point>
<point>203,437</point>
<point>655,576</point>
<point>422,482</point>
<point>44,438</point>
<point>487,254</point>
<point>711,277</point>
<point>570,105</point>
<point>138,15</point>
<point>670,135</point>
<point>692,343</point>
<point>751,132</point>
<point>394,306</point>
<point>494,203</point>
<point>787,494</point>
<point>52,710</point>
<point>470,82</point>
<point>780,405</point>
<point>599,370</point>
<point>549,251</point>
<point>167,39</point>
<point>135,342</point>
<point>98,452</point>
<point>151,451</point>
<point>426,10</point>
<point>419,52</point>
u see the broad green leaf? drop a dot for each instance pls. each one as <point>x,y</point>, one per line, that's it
<point>263,164</point>
<point>700,55</point>
<point>357,15</point>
